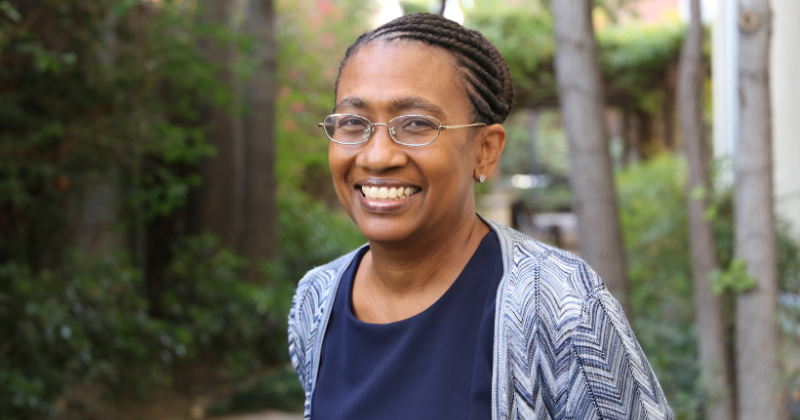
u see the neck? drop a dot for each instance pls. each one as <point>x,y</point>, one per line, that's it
<point>419,265</point>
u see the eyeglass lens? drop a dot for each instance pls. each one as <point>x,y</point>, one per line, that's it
<point>409,129</point>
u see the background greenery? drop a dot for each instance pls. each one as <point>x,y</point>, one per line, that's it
<point>92,90</point>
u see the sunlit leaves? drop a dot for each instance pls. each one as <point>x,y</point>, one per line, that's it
<point>735,278</point>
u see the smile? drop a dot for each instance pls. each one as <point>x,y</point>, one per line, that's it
<point>387,193</point>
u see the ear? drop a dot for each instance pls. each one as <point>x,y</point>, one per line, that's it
<point>489,144</point>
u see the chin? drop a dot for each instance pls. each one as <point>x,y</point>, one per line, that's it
<point>386,229</point>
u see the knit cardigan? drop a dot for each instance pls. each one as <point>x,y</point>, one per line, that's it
<point>563,348</point>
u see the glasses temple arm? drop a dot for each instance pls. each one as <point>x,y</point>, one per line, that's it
<point>464,126</point>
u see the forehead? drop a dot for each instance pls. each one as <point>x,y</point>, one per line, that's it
<point>381,73</point>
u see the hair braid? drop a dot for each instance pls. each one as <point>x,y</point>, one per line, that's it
<point>488,80</point>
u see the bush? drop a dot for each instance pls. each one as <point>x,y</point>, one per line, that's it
<point>210,311</point>
<point>87,321</point>
<point>655,228</point>
<point>278,389</point>
<point>99,89</point>
<point>84,321</point>
<point>655,231</point>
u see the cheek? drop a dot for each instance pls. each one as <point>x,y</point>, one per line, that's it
<point>454,164</point>
<point>339,161</point>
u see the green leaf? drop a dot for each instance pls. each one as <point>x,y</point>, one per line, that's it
<point>735,278</point>
<point>10,11</point>
<point>710,213</point>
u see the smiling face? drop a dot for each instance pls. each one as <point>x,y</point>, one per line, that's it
<point>384,80</point>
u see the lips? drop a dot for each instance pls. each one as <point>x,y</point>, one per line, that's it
<point>385,195</point>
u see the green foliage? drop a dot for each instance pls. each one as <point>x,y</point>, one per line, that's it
<point>653,216</point>
<point>313,37</point>
<point>524,36</point>
<point>735,278</point>
<point>652,201</point>
<point>86,320</point>
<point>279,389</point>
<point>113,90</point>
<point>634,59</point>
<point>312,235</point>
<point>788,259</point>
<point>212,311</point>
<point>89,321</point>
<point>116,95</point>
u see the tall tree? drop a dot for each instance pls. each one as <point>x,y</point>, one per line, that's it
<point>222,196</point>
<point>591,177</point>
<point>714,360</point>
<point>760,394</point>
<point>260,212</point>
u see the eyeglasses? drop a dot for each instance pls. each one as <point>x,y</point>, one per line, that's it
<point>408,130</point>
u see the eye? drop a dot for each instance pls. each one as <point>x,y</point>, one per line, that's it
<point>352,124</point>
<point>418,124</point>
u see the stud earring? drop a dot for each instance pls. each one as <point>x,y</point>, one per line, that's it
<point>482,178</point>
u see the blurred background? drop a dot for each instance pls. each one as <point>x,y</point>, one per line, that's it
<point>163,187</point>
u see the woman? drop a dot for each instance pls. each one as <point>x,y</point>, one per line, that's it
<point>445,315</point>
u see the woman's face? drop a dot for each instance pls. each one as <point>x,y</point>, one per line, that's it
<point>384,80</point>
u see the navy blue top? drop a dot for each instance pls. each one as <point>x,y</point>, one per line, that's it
<point>434,365</point>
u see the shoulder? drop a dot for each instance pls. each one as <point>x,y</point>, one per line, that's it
<point>310,305</point>
<point>532,262</point>
<point>315,285</point>
<point>558,309</point>
<point>549,286</point>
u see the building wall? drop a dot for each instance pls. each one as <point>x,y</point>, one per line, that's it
<point>785,83</point>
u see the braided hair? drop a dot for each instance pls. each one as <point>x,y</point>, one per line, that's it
<point>487,77</point>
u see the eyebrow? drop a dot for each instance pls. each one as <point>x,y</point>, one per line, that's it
<point>352,102</point>
<point>403,103</point>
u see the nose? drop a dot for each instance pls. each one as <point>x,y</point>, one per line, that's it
<point>380,152</point>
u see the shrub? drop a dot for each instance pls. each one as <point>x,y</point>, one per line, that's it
<point>85,321</point>
<point>655,228</point>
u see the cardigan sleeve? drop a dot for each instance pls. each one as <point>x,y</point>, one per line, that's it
<point>299,337</point>
<point>295,344</point>
<point>610,375</point>
<point>300,328</point>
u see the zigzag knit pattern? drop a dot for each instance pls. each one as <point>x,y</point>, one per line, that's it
<point>563,347</point>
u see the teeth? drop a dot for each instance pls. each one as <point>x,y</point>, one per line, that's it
<point>384,193</point>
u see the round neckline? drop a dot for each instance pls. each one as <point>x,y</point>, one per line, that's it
<point>441,301</point>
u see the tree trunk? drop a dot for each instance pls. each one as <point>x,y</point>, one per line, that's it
<point>259,237</point>
<point>714,361</point>
<point>760,394</point>
<point>222,192</point>
<point>591,178</point>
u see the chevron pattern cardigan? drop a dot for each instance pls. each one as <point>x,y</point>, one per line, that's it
<point>562,346</point>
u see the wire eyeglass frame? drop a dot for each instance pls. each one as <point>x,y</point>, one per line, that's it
<point>371,128</point>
